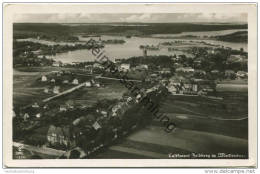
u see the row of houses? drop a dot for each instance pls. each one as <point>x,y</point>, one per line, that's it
<point>75,81</point>
<point>123,67</point>
<point>227,73</point>
<point>181,85</point>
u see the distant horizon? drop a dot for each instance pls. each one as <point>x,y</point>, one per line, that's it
<point>239,23</point>
<point>80,18</point>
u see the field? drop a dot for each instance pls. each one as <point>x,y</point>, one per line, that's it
<point>28,89</point>
<point>145,144</point>
<point>199,130</point>
<point>23,92</point>
<point>90,95</point>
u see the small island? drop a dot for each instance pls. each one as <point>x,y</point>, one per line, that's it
<point>113,41</point>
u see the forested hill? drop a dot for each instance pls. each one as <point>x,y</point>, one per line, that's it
<point>240,36</point>
<point>125,29</point>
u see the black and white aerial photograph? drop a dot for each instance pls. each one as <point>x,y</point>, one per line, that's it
<point>142,85</point>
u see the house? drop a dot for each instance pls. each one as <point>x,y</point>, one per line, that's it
<point>97,85</point>
<point>59,136</point>
<point>40,56</point>
<point>26,116</point>
<point>45,106</point>
<point>116,108</point>
<point>201,92</point>
<point>97,65</point>
<point>35,105</point>
<point>154,75</point>
<point>215,71</point>
<point>104,113</point>
<point>38,115</point>
<point>177,65</point>
<point>70,104</point>
<point>14,114</point>
<point>44,79</point>
<point>56,64</point>
<point>119,109</point>
<point>56,90</point>
<point>241,74</point>
<point>172,89</point>
<point>75,82</point>
<point>96,125</point>
<point>46,90</point>
<point>141,67</point>
<point>129,99</point>
<point>74,63</point>
<point>89,68</point>
<point>195,87</point>
<point>211,51</point>
<point>66,72</point>
<point>54,72</point>
<point>197,62</point>
<point>165,71</point>
<point>88,84</point>
<point>230,74</point>
<point>65,81</point>
<point>76,121</point>
<point>124,67</point>
<point>236,58</point>
<point>200,72</point>
<point>118,60</point>
<point>185,69</point>
<point>37,52</point>
<point>174,80</point>
<point>63,108</point>
<point>52,80</point>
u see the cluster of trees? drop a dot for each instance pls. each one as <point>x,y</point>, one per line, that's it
<point>216,60</point>
<point>151,61</point>
<point>32,61</point>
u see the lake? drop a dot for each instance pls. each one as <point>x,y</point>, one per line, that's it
<point>131,46</point>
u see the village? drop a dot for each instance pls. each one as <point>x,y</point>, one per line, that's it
<point>81,128</point>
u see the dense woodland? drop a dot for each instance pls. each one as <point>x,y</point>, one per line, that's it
<point>65,32</point>
<point>240,36</point>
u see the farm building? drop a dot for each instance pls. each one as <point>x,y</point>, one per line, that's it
<point>65,82</point>
<point>35,105</point>
<point>46,90</point>
<point>63,108</point>
<point>44,79</point>
<point>88,84</point>
<point>75,82</point>
<point>125,67</point>
<point>56,90</point>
